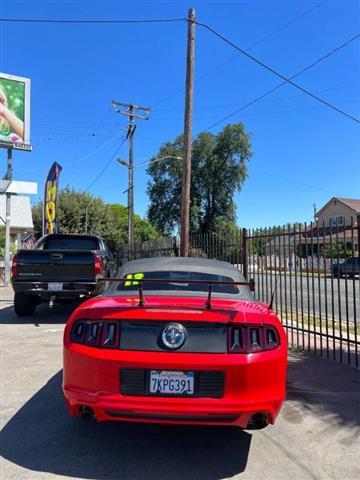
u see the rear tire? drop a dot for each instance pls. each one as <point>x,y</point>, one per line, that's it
<point>337,273</point>
<point>24,305</point>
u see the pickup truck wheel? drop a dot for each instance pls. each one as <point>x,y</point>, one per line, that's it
<point>24,305</point>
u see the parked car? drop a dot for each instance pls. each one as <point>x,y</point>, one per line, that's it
<point>176,340</point>
<point>59,268</point>
<point>350,267</point>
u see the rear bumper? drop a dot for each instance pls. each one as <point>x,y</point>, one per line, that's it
<point>170,410</point>
<point>70,289</point>
<point>253,384</point>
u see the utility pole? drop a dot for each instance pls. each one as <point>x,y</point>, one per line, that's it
<point>8,176</point>
<point>129,112</point>
<point>186,180</point>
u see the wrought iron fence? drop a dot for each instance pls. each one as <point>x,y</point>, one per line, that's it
<point>312,270</point>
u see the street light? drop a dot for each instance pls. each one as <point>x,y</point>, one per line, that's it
<point>123,162</point>
<point>158,160</point>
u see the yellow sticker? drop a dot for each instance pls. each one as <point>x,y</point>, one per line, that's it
<point>132,277</point>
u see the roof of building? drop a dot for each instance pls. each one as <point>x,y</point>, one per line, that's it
<point>352,203</point>
<point>20,212</point>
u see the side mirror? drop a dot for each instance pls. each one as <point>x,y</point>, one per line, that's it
<point>252,285</point>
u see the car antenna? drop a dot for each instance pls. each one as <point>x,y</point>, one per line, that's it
<point>273,292</point>
<point>208,301</point>
<point>141,295</point>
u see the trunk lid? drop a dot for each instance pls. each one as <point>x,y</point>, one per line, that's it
<point>55,265</point>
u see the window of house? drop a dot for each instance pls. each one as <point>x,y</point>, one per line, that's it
<point>336,220</point>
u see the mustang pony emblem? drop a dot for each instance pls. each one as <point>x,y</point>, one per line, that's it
<point>173,335</point>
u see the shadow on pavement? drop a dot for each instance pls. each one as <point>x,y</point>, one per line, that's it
<point>43,315</point>
<point>325,387</point>
<point>42,437</point>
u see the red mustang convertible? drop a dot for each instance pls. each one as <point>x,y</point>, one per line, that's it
<point>175,340</point>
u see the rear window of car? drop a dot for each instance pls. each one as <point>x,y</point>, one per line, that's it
<point>71,243</point>
<point>132,282</point>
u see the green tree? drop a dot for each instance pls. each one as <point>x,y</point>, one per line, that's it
<point>2,243</point>
<point>143,230</point>
<point>75,209</point>
<point>337,249</point>
<point>72,207</point>
<point>219,169</point>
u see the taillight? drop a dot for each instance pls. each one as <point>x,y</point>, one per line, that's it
<point>96,333</point>
<point>14,266</point>
<point>98,265</point>
<point>252,338</point>
<point>110,334</point>
<point>237,341</point>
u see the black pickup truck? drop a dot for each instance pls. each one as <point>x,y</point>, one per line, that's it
<point>60,267</point>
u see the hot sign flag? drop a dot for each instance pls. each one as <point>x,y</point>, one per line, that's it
<point>50,207</point>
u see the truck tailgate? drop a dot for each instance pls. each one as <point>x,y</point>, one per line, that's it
<point>55,265</point>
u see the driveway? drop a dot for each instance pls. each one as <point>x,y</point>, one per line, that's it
<point>317,435</point>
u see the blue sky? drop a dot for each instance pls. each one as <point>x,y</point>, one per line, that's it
<point>304,153</point>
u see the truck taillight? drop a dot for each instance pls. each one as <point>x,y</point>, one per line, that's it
<point>14,266</point>
<point>252,338</point>
<point>98,265</point>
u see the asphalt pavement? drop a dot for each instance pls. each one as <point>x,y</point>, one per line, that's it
<point>317,434</point>
<point>314,295</point>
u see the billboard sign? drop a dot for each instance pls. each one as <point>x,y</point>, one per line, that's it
<point>50,224</point>
<point>14,112</point>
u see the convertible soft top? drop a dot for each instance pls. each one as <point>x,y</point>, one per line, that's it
<point>181,268</point>
<point>182,264</point>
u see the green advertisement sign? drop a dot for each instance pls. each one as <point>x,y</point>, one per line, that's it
<point>14,109</point>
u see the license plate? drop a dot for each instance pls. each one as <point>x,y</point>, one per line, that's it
<point>55,287</point>
<point>171,382</point>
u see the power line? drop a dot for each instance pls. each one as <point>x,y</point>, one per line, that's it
<point>87,141</point>
<point>265,112</point>
<point>268,92</point>
<point>88,155</point>
<point>290,22</point>
<point>272,100</point>
<point>250,47</point>
<point>69,137</point>
<point>183,19</point>
<point>275,72</point>
<point>106,165</point>
<point>291,180</point>
<point>156,160</point>
<point>96,21</point>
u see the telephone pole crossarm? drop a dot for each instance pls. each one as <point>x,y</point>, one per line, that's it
<point>133,115</point>
<point>127,105</point>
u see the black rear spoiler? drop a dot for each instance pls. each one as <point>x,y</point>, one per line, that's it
<point>140,285</point>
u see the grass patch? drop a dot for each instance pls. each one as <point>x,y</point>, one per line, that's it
<point>309,321</point>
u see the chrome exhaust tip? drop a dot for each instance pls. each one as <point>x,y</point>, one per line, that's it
<point>86,414</point>
<point>258,421</point>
